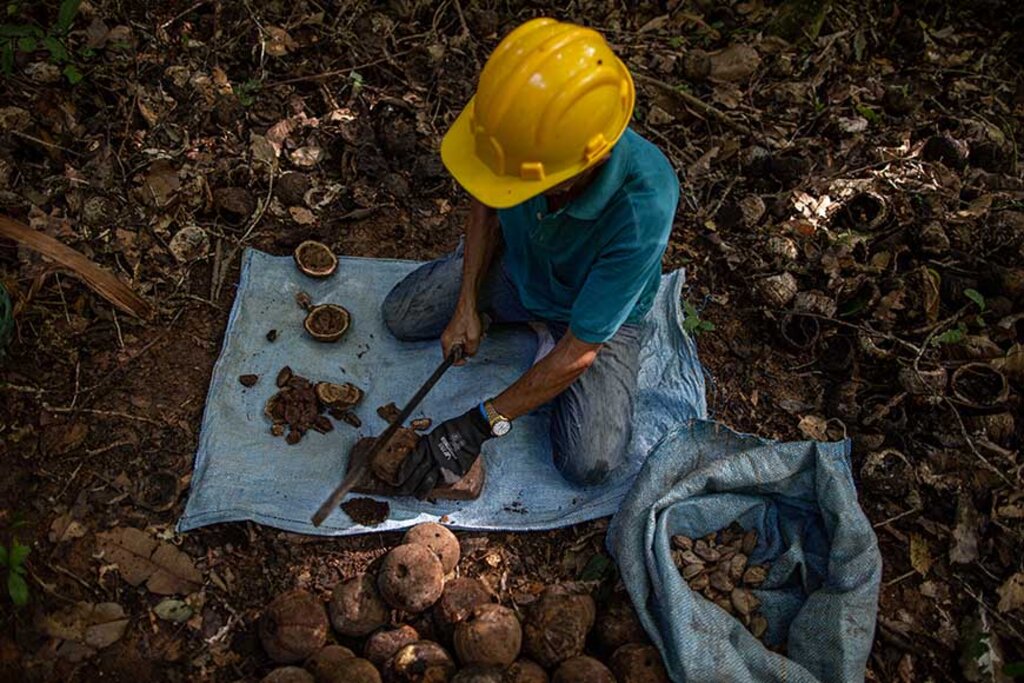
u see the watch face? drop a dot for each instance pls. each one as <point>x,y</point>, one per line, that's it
<point>501,427</point>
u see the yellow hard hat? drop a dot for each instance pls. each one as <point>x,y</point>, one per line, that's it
<point>552,100</point>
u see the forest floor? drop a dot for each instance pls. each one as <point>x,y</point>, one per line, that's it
<point>852,225</point>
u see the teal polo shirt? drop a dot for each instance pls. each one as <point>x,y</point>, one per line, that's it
<point>595,264</point>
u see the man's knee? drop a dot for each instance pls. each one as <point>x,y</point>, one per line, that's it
<point>588,461</point>
<point>395,312</point>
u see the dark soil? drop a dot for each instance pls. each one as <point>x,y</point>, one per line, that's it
<point>366,511</point>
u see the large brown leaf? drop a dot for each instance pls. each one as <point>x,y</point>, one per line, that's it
<point>101,281</point>
<point>85,628</point>
<point>164,569</point>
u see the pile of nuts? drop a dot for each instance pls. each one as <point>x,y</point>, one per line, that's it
<point>299,404</point>
<point>717,566</point>
<point>414,622</point>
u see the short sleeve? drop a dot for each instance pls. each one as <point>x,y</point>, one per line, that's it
<point>624,271</point>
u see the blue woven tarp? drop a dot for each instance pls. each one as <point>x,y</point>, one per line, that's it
<point>821,595</point>
<point>242,472</point>
<point>685,475</point>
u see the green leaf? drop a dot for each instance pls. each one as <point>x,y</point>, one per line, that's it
<point>17,30</point>
<point>58,53</point>
<point>17,589</point>
<point>68,10</point>
<point>27,44</point>
<point>1015,669</point>
<point>72,73</point>
<point>596,568</point>
<point>976,296</point>
<point>868,113</point>
<point>706,326</point>
<point>7,58</point>
<point>19,551</point>
<point>953,336</point>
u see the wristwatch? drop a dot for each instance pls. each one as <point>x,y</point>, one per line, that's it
<point>500,425</point>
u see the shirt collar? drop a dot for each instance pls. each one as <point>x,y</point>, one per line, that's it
<point>589,205</point>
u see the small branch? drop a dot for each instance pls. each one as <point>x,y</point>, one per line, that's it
<point>103,413</point>
<point>26,136</point>
<point>696,103</point>
<point>970,443</point>
<point>336,72</point>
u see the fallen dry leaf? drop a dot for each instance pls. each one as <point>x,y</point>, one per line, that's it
<point>965,534</point>
<point>307,157</point>
<point>189,243</point>
<point>86,627</point>
<point>63,438</point>
<point>734,63</point>
<point>262,150</point>
<point>171,609</point>
<point>164,569</point>
<point>65,528</point>
<point>1012,364</point>
<point>278,42</point>
<point>14,118</point>
<point>813,427</point>
<point>1011,593</point>
<point>161,183</point>
<point>302,215</point>
<point>920,555</point>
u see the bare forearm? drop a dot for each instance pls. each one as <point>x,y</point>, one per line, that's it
<point>478,252</point>
<point>548,378</point>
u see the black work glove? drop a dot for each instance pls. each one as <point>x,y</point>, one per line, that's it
<point>445,454</point>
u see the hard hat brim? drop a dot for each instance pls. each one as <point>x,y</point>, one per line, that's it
<point>458,153</point>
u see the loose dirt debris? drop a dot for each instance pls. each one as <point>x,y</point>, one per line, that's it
<point>366,511</point>
<point>340,114</point>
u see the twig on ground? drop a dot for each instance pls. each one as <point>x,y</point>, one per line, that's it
<point>892,519</point>
<point>901,578</point>
<point>696,103</point>
<point>173,19</point>
<point>103,413</point>
<point>970,443</point>
<point>336,72</point>
<point>31,138</point>
<point>993,613</point>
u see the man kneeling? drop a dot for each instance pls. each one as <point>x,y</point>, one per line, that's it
<point>570,217</point>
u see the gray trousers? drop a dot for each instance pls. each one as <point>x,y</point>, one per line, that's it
<point>591,421</point>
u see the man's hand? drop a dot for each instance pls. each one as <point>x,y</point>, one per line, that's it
<point>444,455</point>
<point>464,328</point>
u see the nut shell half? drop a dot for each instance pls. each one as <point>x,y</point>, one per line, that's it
<point>327,322</point>
<point>341,396</point>
<point>315,259</point>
